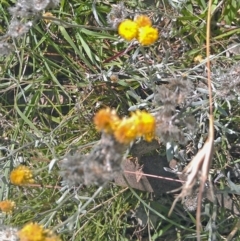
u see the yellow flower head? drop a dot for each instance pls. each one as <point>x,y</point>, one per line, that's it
<point>21,175</point>
<point>7,206</point>
<point>105,120</point>
<point>36,232</point>
<point>32,232</point>
<point>198,59</point>
<point>128,29</point>
<point>143,20</point>
<point>139,124</point>
<point>145,124</point>
<point>147,35</point>
<point>47,14</point>
<point>149,137</point>
<point>126,131</point>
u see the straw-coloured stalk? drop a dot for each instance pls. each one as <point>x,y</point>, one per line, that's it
<point>198,168</point>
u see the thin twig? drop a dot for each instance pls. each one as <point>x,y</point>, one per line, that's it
<point>154,176</point>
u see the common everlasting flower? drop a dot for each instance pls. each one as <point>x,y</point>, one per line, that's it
<point>106,120</point>
<point>139,124</point>
<point>143,20</point>
<point>198,59</point>
<point>47,14</point>
<point>147,35</point>
<point>140,29</point>
<point>126,130</point>
<point>36,232</point>
<point>32,232</point>
<point>145,123</point>
<point>21,175</point>
<point>128,29</point>
<point>7,206</point>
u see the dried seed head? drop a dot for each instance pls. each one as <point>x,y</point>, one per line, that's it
<point>174,93</point>
<point>104,161</point>
<point>117,14</point>
<point>21,11</point>
<point>190,203</point>
<point>53,4</point>
<point>170,133</point>
<point>170,123</point>
<point>190,122</point>
<point>40,5</point>
<point>17,29</point>
<point>227,83</point>
<point>5,49</point>
<point>166,128</point>
<point>164,96</point>
<point>8,233</point>
<point>95,168</point>
<point>72,170</point>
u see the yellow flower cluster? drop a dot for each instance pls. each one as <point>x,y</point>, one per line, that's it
<point>21,175</point>
<point>35,232</point>
<point>106,120</point>
<point>125,130</point>
<point>7,206</point>
<point>140,29</point>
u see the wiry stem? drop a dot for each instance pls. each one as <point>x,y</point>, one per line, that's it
<point>210,140</point>
<point>198,168</point>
